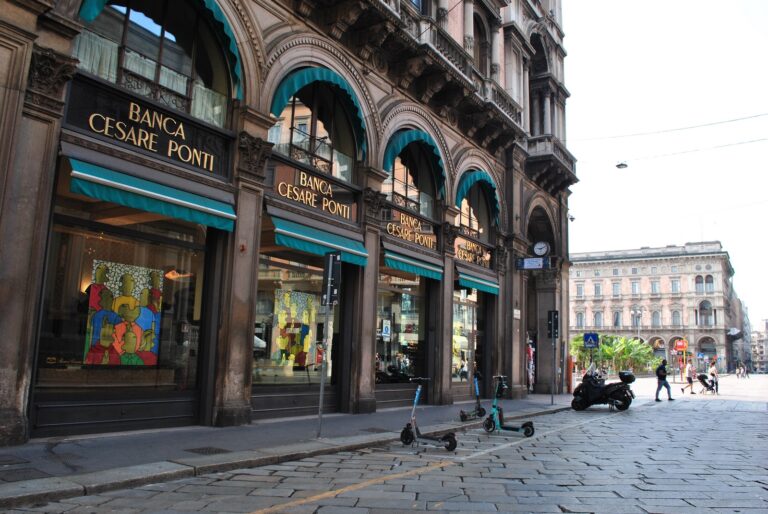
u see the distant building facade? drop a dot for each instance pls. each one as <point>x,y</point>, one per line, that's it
<point>758,349</point>
<point>661,296</point>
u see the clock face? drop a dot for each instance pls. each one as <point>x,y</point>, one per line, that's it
<point>541,248</point>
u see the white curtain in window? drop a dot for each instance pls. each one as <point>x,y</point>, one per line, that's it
<point>97,55</point>
<point>139,64</point>
<point>208,105</point>
<point>173,80</point>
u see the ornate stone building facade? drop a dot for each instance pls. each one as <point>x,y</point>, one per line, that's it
<point>173,176</point>
<point>661,296</point>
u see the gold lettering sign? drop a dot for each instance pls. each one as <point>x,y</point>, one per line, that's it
<point>313,191</point>
<point>146,124</point>
<point>409,228</point>
<point>469,251</point>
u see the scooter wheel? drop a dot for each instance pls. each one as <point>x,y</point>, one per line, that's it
<point>406,436</point>
<point>480,412</point>
<point>578,403</point>
<point>489,425</point>
<point>463,416</point>
<point>450,442</point>
<point>528,430</point>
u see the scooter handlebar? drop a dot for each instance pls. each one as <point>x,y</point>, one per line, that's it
<point>503,377</point>
<point>418,379</point>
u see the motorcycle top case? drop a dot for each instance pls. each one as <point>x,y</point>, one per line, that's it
<point>626,377</point>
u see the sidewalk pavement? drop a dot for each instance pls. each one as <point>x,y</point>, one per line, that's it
<point>54,468</point>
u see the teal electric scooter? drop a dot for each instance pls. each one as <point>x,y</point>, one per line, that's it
<point>495,420</point>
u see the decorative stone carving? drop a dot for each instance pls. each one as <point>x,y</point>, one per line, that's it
<point>254,153</point>
<point>469,43</point>
<point>501,257</point>
<point>49,71</point>
<point>450,233</point>
<point>374,201</point>
<point>442,17</point>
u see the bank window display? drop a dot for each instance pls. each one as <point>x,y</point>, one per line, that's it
<point>121,310</point>
<point>401,328</point>
<point>289,334</point>
<point>164,50</point>
<point>315,128</point>
<point>466,344</point>
<point>411,184</point>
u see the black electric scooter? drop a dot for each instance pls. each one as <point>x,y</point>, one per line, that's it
<point>478,411</point>
<point>495,420</point>
<point>411,433</point>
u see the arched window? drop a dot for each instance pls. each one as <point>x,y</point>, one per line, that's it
<point>598,319</point>
<point>699,284</point>
<point>475,218</point>
<point>315,128</point>
<point>411,183</point>
<point>706,318</point>
<point>656,319</point>
<point>579,320</point>
<point>617,318</point>
<point>709,284</point>
<point>677,319</point>
<point>161,50</point>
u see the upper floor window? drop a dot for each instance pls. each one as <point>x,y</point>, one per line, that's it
<point>706,314</point>
<point>412,183</point>
<point>673,269</point>
<point>655,287</point>
<point>677,319</point>
<point>617,318</point>
<point>675,283</point>
<point>656,319</point>
<point>653,270</point>
<point>481,47</point>
<point>709,284</point>
<point>699,284</point>
<point>616,289</point>
<point>634,271</point>
<point>160,50</point>
<point>597,272</point>
<point>316,129</point>
<point>615,272</point>
<point>598,290</point>
<point>475,215</point>
<point>578,273</point>
<point>635,287</point>
<point>579,290</point>
<point>598,319</point>
<point>579,320</point>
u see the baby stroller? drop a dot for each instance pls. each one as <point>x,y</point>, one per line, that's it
<point>708,386</point>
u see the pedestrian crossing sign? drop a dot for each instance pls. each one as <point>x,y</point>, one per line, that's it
<point>591,340</point>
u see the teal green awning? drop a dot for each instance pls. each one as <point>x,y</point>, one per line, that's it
<point>319,242</point>
<point>400,262</point>
<point>90,10</point>
<point>403,138</point>
<point>297,80</point>
<point>112,186</point>
<point>481,284</point>
<point>471,178</point>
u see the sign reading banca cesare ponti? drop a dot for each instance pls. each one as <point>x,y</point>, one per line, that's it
<point>410,228</point>
<point>472,252</point>
<point>315,190</point>
<point>132,122</point>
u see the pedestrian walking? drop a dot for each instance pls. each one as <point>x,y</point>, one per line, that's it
<point>690,372</point>
<point>715,377</point>
<point>745,371</point>
<point>661,376</point>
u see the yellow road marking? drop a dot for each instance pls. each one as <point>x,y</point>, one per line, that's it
<point>421,470</point>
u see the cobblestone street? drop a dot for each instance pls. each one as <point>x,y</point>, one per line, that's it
<point>701,453</point>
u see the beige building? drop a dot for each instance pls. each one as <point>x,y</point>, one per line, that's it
<point>661,296</point>
<point>759,349</point>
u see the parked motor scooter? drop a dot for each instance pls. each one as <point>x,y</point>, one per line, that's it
<point>478,411</point>
<point>495,420</point>
<point>593,390</point>
<point>411,433</point>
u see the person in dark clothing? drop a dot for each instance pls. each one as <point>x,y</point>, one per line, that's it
<point>661,375</point>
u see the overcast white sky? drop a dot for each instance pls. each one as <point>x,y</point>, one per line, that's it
<point>638,66</point>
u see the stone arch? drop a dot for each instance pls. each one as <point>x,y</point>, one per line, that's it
<point>310,50</point>
<point>537,209</point>
<point>254,65</point>
<point>471,159</point>
<point>408,114</point>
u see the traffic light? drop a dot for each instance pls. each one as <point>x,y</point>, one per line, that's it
<point>553,324</point>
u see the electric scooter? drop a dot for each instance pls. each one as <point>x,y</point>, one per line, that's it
<point>478,411</point>
<point>411,434</point>
<point>495,420</point>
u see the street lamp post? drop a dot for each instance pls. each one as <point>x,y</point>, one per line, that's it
<point>637,315</point>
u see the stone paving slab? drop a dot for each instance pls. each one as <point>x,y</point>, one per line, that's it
<point>39,490</point>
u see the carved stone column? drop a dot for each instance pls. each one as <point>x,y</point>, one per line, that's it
<point>469,26</point>
<point>232,404</point>
<point>547,114</point>
<point>495,51</point>
<point>442,14</point>
<point>33,80</point>
<point>441,392</point>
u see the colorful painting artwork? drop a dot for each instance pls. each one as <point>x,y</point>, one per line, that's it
<point>296,314</point>
<point>124,313</point>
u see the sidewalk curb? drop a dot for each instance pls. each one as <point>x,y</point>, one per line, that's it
<point>41,490</point>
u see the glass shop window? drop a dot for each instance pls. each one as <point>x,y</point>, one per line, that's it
<point>475,217</point>
<point>412,183</point>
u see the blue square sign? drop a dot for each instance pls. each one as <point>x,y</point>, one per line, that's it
<point>591,340</point>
